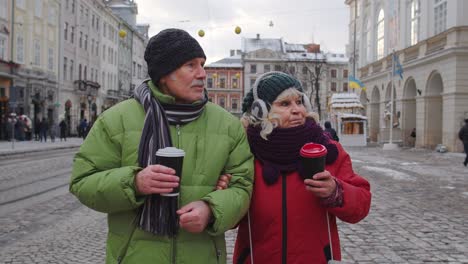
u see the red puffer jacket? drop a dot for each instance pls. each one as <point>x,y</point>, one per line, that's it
<point>289,224</point>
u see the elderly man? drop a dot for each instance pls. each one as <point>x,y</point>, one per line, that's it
<point>111,172</point>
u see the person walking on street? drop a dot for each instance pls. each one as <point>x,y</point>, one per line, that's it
<point>115,168</point>
<point>63,130</point>
<point>82,128</point>
<point>43,128</point>
<point>463,136</point>
<point>292,218</point>
<point>331,131</point>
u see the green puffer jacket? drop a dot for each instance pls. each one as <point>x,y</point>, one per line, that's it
<point>106,164</point>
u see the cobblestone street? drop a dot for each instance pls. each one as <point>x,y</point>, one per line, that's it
<point>418,214</point>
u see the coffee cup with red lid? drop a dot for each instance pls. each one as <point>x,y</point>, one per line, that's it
<point>313,158</point>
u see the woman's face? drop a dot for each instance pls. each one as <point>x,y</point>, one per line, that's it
<point>290,111</point>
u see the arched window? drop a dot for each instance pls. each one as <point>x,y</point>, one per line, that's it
<point>367,40</point>
<point>414,17</point>
<point>380,34</point>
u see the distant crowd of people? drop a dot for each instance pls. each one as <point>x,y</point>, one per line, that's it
<point>21,129</point>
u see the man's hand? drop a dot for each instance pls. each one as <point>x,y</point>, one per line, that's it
<point>195,216</point>
<point>223,182</point>
<point>322,184</point>
<point>156,179</point>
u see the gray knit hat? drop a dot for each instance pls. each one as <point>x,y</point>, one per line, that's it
<point>269,86</point>
<point>168,50</point>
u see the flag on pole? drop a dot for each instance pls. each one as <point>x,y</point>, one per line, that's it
<point>398,70</point>
<point>355,83</point>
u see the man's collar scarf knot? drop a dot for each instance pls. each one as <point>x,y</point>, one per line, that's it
<point>280,153</point>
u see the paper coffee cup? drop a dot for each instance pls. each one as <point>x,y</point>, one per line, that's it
<point>313,158</point>
<point>173,158</point>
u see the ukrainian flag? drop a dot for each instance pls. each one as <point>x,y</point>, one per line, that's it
<point>355,83</point>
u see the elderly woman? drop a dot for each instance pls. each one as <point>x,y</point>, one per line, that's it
<point>291,219</point>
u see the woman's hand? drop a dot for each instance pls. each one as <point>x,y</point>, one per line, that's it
<point>223,182</point>
<point>322,184</point>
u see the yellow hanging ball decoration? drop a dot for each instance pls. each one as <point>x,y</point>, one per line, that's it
<point>237,30</point>
<point>201,33</point>
<point>122,33</point>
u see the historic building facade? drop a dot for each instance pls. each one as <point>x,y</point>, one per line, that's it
<point>224,83</point>
<point>428,39</point>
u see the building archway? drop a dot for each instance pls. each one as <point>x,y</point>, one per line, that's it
<point>374,112</point>
<point>408,118</point>
<point>433,110</point>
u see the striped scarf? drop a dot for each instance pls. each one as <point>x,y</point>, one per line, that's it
<point>156,135</point>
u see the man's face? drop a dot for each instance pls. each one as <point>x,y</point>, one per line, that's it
<point>187,83</point>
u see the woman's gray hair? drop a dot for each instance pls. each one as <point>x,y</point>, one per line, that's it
<point>273,120</point>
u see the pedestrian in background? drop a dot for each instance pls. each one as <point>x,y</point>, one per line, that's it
<point>291,219</point>
<point>331,131</point>
<point>43,129</point>
<point>63,130</point>
<point>114,170</point>
<point>463,136</point>
<point>53,130</point>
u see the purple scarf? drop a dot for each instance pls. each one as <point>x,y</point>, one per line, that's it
<point>280,153</point>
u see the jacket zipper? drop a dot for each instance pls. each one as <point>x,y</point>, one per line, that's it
<point>284,217</point>
<point>217,251</point>
<point>174,240</point>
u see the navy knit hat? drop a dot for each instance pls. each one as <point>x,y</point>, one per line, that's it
<point>270,85</point>
<point>168,50</point>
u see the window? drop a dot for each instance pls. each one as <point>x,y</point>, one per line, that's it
<point>86,42</point>
<point>3,9</point>
<point>104,52</point>
<point>277,67</point>
<point>73,6</point>
<point>97,48</point>
<point>380,34</point>
<point>3,44</point>
<point>333,86</point>
<point>304,70</point>
<point>222,102</point>
<point>292,69</point>
<point>79,72</point>
<point>20,48</point>
<point>37,52</point>
<point>103,79</point>
<point>104,29</point>
<point>38,8</point>
<point>209,83</point>
<point>252,82</point>
<point>50,64</point>
<point>52,16</point>
<point>134,69</point>
<point>139,71</point>
<point>367,42</point>
<point>345,73</point>
<point>72,35</point>
<point>92,46</point>
<point>67,4</point>
<point>234,83</point>
<point>20,3</point>
<point>71,70</point>
<point>81,40</point>
<point>345,87</point>
<point>65,31</point>
<point>440,16</point>
<point>333,73</point>
<point>253,68</point>
<point>234,104</point>
<point>85,73</point>
<point>64,68</point>
<point>415,16</point>
<point>266,68</point>
<point>222,82</point>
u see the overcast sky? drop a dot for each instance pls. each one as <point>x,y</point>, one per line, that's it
<point>297,21</point>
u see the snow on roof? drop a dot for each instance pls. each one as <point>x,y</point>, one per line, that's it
<point>294,47</point>
<point>252,44</point>
<point>305,56</point>
<point>345,100</point>
<point>336,58</point>
<point>352,116</point>
<point>229,62</point>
